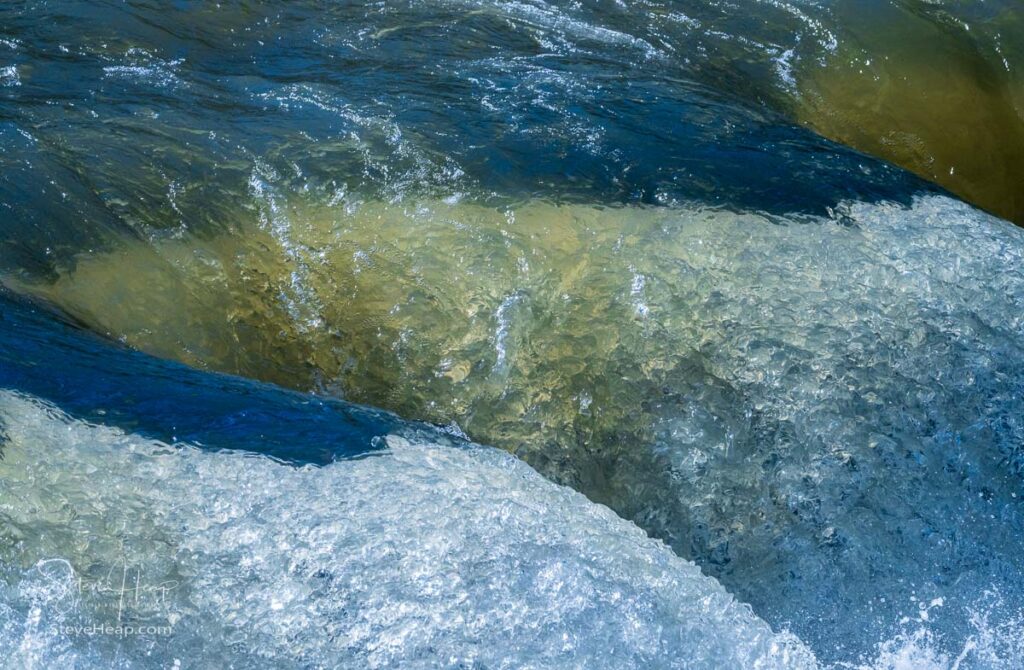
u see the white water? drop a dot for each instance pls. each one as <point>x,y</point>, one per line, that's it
<point>425,556</point>
<point>824,414</point>
<point>123,552</point>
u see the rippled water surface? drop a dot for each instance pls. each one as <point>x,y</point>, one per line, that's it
<point>933,86</point>
<point>603,237</point>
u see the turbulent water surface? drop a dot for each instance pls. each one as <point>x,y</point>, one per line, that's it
<point>602,237</point>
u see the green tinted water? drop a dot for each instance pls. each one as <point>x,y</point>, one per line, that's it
<point>935,87</point>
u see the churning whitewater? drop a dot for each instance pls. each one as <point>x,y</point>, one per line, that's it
<point>271,273</point>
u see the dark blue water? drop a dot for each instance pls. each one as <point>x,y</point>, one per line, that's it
<point>95,381</point>
<point>379,101</point>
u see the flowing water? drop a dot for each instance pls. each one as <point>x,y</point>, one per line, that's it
<point>933,86</point>
<point>599,237</point>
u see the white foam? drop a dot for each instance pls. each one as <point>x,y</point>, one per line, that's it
<point>9,76</point>
<point>425,556</point>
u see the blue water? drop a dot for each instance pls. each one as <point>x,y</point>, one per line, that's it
<point>93,381</point>
<point>230,232</point>
<point>380,101</point>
